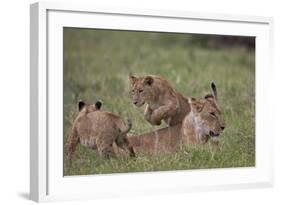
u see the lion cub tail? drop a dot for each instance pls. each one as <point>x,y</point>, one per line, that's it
<point>129,127</point>
<point>122,140</point>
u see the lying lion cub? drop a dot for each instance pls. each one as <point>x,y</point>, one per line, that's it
<point>204,122</point>
<point>98,130</point>
<point>163,102</point>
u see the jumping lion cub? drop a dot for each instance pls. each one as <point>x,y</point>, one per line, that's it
<point>163,102</point>
<point>98,130</point>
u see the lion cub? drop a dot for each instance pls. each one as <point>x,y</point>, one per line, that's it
<point>204,122</point>
<point>163,102</point>
<point>99,130</point>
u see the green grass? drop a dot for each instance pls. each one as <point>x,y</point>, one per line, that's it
<point>97,64</point>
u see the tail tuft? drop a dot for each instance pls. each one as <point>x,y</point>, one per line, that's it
<point>128,127</point>
<point>129,121</point>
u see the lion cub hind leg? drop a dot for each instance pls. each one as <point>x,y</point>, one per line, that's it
<point>106,150</point>
<point>71,144</point>
<point>104,146</point>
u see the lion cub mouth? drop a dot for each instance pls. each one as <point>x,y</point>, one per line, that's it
<point>212,134</point>
<point>139,105</point>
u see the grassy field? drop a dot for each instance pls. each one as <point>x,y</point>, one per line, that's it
<point>97,64</point>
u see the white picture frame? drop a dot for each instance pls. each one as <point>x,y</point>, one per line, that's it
<point>46,176</point>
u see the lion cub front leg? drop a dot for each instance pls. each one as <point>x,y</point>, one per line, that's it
<point>163,112</point>
<point>155,120</point>
<point>148,115</point>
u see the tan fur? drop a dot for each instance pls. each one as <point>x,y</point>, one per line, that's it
<point>204,122</point>
<point>162,141</point>
<point>163,102</point>
<point>98,130</point>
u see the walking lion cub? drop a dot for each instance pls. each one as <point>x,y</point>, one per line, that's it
<point>99,130</point>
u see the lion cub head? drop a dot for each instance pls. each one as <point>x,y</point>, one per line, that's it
<point>86,108</point>
<point>207,116</point>
<point>141,89</point>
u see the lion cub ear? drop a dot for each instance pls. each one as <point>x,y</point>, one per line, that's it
<point>214,90</point>
<point>214,96</point>
<point>196,106</point>
<point>148,80</point>
<point>98,105</point>
<point>81,105</point>
<point>209,97</point>
<point>133,79</point>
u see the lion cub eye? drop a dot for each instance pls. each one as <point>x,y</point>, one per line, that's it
<point>212,113</point>
<point>140,91</point>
